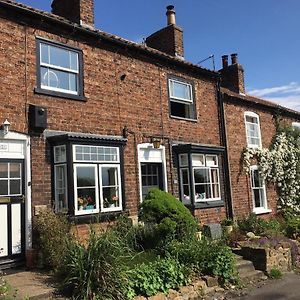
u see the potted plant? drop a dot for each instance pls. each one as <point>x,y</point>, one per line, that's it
<point>82,203</point>
<point>227,225</point>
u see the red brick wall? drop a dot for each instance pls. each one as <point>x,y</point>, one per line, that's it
<point>168,40</point>
<point>140,102</point>
<point>236,135</point>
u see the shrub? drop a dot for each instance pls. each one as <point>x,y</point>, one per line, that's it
<point>52,230</point>
<point>159,276</point>
<point>259,226</point>
<point>205,256</point>
<point>292,225</point>
<point>95,271</point>
<point>172,218</point>
<point>248,223</point>
<point>275,274</point>
<point>227,222</point>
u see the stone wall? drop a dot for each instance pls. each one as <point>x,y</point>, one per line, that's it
<point>266,259</point>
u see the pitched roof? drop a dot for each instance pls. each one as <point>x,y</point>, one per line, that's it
<point>261,103</point>
<point>99,34</point>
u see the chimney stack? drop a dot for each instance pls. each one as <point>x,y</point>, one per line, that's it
<point>234,58</point>
<point>171,19</point>
<point>77,11</point>
<point>225,61</point>
<point>233,75</point>
<point>168,39</point>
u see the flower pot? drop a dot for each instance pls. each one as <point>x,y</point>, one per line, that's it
<point>228,229</point>
<point>31,258</point>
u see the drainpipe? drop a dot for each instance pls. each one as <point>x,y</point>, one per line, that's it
<point>223,131</point>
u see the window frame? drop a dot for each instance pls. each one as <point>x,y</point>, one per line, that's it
<point>252,115</point>
<point>9,179</point>
<point>110,209</point>
<point>210,183</point>
<point>56,92</point>
<point>191,102</point>
<point>264,208</point>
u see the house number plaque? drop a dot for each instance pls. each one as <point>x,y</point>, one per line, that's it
<point>3,147</point>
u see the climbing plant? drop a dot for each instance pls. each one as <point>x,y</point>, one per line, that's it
<point>280,164</point>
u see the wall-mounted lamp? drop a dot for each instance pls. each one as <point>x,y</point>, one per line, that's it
<point>5,127</point>
<point>156,142</point>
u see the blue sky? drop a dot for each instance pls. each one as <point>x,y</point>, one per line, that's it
<point>264,33</point>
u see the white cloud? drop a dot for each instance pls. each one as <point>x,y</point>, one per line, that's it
<point>286,95</point>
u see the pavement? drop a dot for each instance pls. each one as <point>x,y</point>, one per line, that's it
<point>33,285</point>
<point>37,285</point>
<point>287,288</point>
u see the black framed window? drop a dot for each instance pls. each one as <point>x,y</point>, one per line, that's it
<point>201,175</point>
<point>59,70</point>
<point>182,99</point>
<point>88,175</point>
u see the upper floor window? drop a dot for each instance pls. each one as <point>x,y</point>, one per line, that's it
<point>181,96</point>
<point>252,130</point>
<point>59,70</point>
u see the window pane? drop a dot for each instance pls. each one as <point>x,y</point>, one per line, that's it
<point>185,176</point>
<point>257,201</point>
<point>3,187</point>
<point>44,54</point>
<point>73,82</point>
<point>255,178</point>
<point>59,57</point>
<point>60,187</point>
<point>58,79</point>
<point>86,199</point>
<point>198,160</point>
<point>201,176</point>
<point>182,110</point>
<point>180,90</point>
<point>109,176</point>
<point>85,176</point>
<point>60,154</point>
<point>183,160</point>
<point>111,197</point>
<point>202,192</point>
<point>211,160</point>
<point>74,61</point>
<point>3,170</point>
<point>252,119</point>
<point>215,191</point>
<point>214,176</point>
<point>15,187</point>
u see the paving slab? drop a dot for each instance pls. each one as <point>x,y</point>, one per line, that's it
<point>31,285</point>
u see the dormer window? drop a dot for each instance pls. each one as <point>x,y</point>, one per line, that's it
<point>252,130</point>
<point>59,70</point>
<point>182,102</point>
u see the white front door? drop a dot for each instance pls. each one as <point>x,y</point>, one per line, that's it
<point>15,198</point>
<point>12,210</point>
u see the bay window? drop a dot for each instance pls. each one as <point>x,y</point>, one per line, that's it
<point>200,175</point>
<point>87,177</point>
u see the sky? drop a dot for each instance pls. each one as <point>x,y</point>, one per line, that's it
<point>264,33</point>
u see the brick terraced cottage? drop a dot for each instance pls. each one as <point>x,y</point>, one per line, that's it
<point>91,122</point>
<point>249,122</point>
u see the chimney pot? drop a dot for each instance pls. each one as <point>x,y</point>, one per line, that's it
<point>225,61</point>
<point>234,58</point>
<point>171,20</point>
